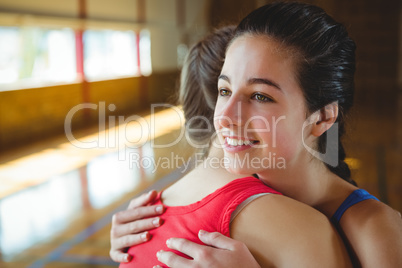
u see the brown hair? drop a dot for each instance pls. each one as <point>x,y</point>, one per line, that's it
<point>198,83</point>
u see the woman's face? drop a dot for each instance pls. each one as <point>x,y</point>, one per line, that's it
<point>260,109</point>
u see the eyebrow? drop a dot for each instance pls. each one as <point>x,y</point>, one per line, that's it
<point>264,81</point>
<point>224,77</point>
<point>253,81</point>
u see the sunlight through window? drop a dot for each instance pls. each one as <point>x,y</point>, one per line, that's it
<point>145,52</point>
<point>32,57</point>
<point>109,54</point>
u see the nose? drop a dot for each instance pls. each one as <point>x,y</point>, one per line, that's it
<point>231,114</point>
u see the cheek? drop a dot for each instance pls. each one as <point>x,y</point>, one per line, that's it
<point>217,124</point>
<point>218,106</point>
<point>287,137</point>
<point>218,114</point>
<point>286,145</point>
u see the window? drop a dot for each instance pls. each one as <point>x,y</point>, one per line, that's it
<point>32,56</point>
<point>145,53</point>
<point>9,57</point>
<point>35,56</point>
<point>109,54</point>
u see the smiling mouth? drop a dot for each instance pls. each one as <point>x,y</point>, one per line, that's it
<point>237,142</point>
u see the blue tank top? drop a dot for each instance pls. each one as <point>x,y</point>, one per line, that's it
<point>354,198</point>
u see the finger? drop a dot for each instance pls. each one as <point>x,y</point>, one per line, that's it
<point>217,240</point>
<point>143,199</point>
<point>400,215</point>
<point>129,240</point>
<point>134,214</point>
<point>172,260</point>
<point>135,227</point>
<point>119,256</point>
<point>187,247</point>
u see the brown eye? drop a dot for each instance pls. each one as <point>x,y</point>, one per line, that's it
<point>262,98</point>
<point>224,92</point>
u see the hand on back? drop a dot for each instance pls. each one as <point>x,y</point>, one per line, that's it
<point>130,227</point>
<point>220,251</point>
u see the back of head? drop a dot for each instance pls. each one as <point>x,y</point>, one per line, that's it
<point>324,55</point>
<point>198,83</point>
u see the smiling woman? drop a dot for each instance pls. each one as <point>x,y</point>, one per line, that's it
<point>257,102</point>
<point>311,60</point>
<point>211,195</point>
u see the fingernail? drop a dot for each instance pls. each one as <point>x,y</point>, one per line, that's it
<point>158,254</point>
<point>201,233</point>
<point>127,258</point>
<point>159,209</point>
<point>144,236</point>
<point>156,222</point>
<point>168,242</point>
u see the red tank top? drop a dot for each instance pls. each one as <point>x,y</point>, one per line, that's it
<point>212,214</point>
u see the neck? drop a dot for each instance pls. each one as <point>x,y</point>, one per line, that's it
<point>208,176</point>
<point>310,182</point>
<point>212,168</point>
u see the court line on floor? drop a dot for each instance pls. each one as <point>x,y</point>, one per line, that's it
<point>58,253</point>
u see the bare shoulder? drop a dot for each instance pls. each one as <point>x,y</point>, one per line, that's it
<point>272,223</point>
<point>370,212</point>
<point>374,231</point>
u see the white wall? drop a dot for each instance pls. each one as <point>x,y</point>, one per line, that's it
<point>161,17</point>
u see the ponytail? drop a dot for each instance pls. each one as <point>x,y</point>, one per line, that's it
<point>342,169</point>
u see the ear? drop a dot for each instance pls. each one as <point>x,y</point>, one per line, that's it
<point>325,120</point>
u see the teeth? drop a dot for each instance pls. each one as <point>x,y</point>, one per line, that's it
<point>236,142</point>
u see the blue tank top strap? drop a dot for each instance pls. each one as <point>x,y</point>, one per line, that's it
<point>354,198</point>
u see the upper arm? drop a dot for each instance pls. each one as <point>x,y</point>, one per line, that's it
<point>282,232</point>
<point>374,232</point>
